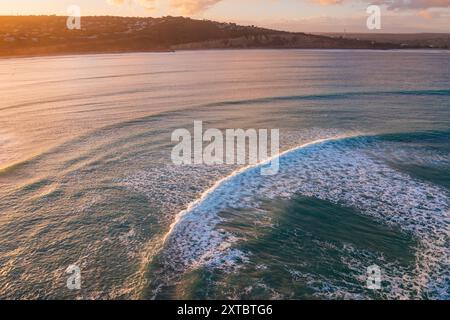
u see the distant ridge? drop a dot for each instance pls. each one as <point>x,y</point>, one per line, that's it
<point>48,35</point>
<point>405,40</point>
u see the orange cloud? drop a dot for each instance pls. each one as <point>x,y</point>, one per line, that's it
<point>192,6</point>
<point>147,4</point>
<point>183,6</point>
<point>328,2</point>
<point>427,14</point>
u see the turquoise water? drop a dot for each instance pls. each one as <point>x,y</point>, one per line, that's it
<point>86,176</point>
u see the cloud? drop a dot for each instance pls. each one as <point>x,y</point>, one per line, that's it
<point>116,2</point>
<point>425,14</point>
<point>328,2</point>
<point>187,7</point>
<point>397,4</point>
<point>147,4</point>
<point>414,4</point>
<point>392,23</point>
<point>192,6</point>
<point>428,14</point>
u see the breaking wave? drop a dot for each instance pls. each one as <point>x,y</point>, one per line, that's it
<point>339,170</point>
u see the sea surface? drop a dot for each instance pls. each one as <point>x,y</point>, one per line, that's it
<point>86,176</point>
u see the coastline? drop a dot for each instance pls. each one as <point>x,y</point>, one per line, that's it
<point>41,36</point>
<point>84,53</point>
<point>78,53</point>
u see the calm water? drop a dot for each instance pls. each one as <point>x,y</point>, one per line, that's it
<point>86,176</point>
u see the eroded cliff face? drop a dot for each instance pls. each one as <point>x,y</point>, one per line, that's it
<point>284,41</point>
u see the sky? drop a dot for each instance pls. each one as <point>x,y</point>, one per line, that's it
<point>292,15</point>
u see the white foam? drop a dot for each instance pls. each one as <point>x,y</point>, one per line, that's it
<point>334,172</point>
<point>338,172</point>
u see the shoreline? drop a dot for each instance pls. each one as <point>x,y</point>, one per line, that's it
<point>44,36</point>
<point>84,53</point>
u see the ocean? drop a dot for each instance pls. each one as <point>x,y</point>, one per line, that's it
<point>86,176</point>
